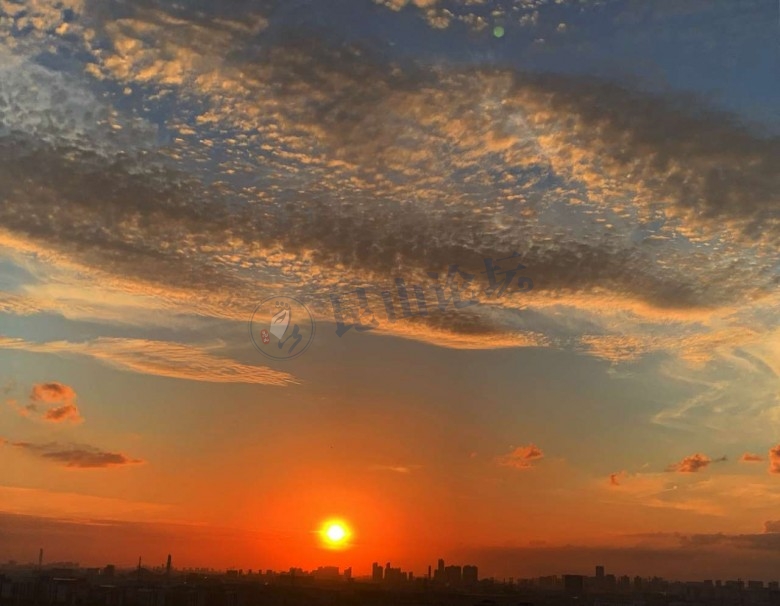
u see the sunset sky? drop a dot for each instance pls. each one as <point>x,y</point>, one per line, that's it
<point>167,167</point>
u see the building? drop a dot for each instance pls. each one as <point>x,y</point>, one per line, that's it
<point>326,573</point>
<point>453,575</point>
<point>470,575</point>
<point>574,584</point>
<point>376,572</point>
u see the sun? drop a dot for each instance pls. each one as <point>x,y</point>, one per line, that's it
<point>335,534</point>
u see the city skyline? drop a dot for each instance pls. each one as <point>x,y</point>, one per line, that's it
<point>452,576</point>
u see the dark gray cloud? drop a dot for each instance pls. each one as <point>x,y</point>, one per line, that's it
<point>75,456</point>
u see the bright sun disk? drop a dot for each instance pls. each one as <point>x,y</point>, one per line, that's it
<point>335,534</point>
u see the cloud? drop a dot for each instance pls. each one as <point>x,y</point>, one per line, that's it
<point>53,402</point>
<point>160,358</point>
<point>66,412</point>
<point>693,463</point>
<point>774,459</point>
<point>370,169</point>
<point>52,393</point>
<point>75,456</point>
<point>615,478</point>
<point>522,457</point>
<point>57,393</point>
<point>749,457</point>
<point>402,469</point>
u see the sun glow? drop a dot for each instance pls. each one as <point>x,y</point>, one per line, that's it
<point>335,534</point>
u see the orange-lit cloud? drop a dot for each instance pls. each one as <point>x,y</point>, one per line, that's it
<point>693,463</point>
<point>56,393</point>
<point>749,457</point>
<point>53,402</point>
<point>614,478</point>
<point>522,457</point>
<point>774,459</point>
<point>167,359</point>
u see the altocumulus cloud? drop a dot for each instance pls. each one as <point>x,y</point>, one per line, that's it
<point>372,169</point>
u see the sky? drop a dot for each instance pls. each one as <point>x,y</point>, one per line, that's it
<point>580,197</point>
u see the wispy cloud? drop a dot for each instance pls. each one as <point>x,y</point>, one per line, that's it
<point>160,358</point>
<point>749,457</point>
<point>402,469</point>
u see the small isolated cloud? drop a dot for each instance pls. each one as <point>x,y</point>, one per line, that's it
<point>615,478</point>
<point>693,463</point>
<point>404,469</point>
<point>52,402</point>
<point>749,457</point>
<point>522,457</point>
<point>52,393</point>
<point>774,459</point>
<point>75,456</point>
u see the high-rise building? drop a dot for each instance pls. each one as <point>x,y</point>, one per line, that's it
<point>470,576</point>
<point>377,572</point>
<point>599,572</point>
<point>326,573</point>
<point>453,575</point>
<point>439,574</point>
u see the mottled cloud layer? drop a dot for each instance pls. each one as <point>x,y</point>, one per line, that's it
<point>647,222</point>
